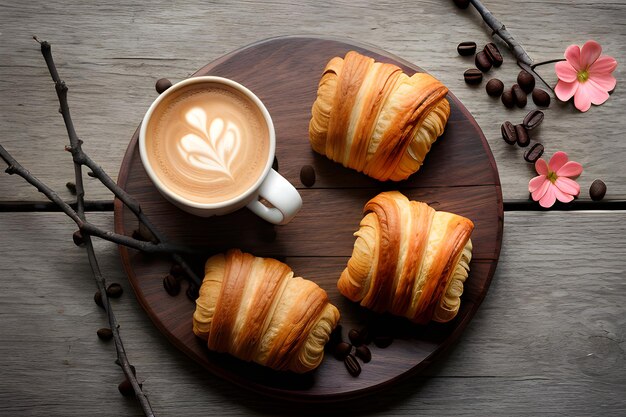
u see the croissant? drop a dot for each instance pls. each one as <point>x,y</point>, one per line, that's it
<point>254,309</point>
<point>372,117</point>
<point>408,259</point>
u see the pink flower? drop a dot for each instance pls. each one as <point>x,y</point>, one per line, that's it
<point>555,180</point>
<point>585,75</point>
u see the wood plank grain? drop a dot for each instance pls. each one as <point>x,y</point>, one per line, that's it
<point>111,54</point>
<point>548,338</point>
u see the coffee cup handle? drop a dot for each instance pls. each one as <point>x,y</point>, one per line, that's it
<point>279,193</point>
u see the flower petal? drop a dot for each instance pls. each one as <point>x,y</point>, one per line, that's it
<point>570,169</point>
<point>535,183</point>
<point>549,198</point>
<point>541,191</point>
<point>564,91</point>
<point>582,98</point>
<point>572,55</point>
<point>561,196</point>
<point>557,161</point>
<point>605,81</point>
<point>589,53</point>
<point>568,186</point>
<point>605,64</point>
<point>597,94</point>
<point>565,71</point>
<point>541,167</point>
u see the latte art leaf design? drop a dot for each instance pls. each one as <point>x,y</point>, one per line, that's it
<point>215,148</point>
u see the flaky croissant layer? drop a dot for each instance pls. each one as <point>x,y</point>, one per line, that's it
<point>408,259</point>
<point>255,309</point>
<point>371,117</point>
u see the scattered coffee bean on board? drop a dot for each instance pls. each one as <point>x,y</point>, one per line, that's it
<point>523,140</point>
<point>541,98</point>
<point>597,191</point>
<point>466,48</point>
<point>473,76</point>
<point>482,62</point>
<point>533,119</point>
<point>342,350</point>
<point>462,4</point>
<point>526,81</point>
<point>97,297</point>
<point>125,388</point>
<point>508,133</point>
<point>105,333</point>
<point>162,84</point>
<point>494,87</point>
<point>71,187</point>
<point>508,99</point>
<point>533,153</point>
<point>352,365</point>
<point>519,95</point>
<point>364,353</point>
<point>171,285</point>
<point>307,175</point>
<point>493,53</point>
<point>192,292</point>
<point>355,337</point>
<point>115,290</point>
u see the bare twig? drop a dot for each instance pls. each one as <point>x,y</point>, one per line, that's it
<point>76,146</point>
<point>523,59</point>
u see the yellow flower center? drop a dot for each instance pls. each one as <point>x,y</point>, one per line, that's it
<point>583,75</point>
<point>552,176</point>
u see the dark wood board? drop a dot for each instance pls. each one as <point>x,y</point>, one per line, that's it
<point>459,175</point>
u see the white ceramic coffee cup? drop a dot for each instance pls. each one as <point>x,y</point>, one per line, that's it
<point>270,185</point>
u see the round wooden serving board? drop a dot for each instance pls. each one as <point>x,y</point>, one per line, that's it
<point>459,175</point>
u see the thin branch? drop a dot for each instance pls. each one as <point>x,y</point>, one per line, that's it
<point>551,61</point>
<point>523,59</point>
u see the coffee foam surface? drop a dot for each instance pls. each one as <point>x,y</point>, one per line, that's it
<point>207,143</point>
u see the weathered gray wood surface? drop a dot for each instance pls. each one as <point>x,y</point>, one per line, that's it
<point>549,337</point>
<point>111,54</point>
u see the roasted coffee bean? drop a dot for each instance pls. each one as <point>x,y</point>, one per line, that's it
<point>493,53</point>
<point>520,96</point>
<point>77,236</point>
<point>171,285</point>
<point>533,153</point>
<point>105,333</point>
<point>342,350</point>
<point>597,191</point>
<point>526,81</point>
<point>364,353</point>
<point>115,290</point>
<point>473,76</point>
<point>462,4</point>
<point>541,98</point>
<point>192,292</point>
<point>177,270</point>
<point>162,84</point>
<point>352,365</point>
<point>508,99</point>
<point>97,297</point>
<point>494,87</point>
<point>382,341</point>
<point>482,62</point>
<point>522,136</point>
<point>126,388</point>
<point>307,175</point>
<point>508,133</point>
<point>71,187</point>
<point>466,48</point>
<point>355,337</point>
<point>533,119</point>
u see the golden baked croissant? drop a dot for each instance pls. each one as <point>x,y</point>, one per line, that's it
<point>408,259</point>
<point>254,309</point>
<point>372,117</point>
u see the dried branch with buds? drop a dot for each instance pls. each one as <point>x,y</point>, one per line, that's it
<point>156,244</point>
